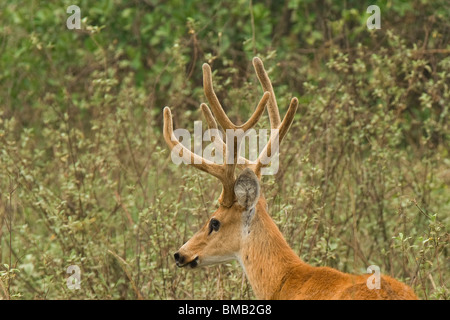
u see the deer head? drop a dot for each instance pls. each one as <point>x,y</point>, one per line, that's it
<point>241,227</point>
<point>221,237</point>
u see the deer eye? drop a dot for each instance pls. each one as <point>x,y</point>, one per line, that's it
<point>214,224</point>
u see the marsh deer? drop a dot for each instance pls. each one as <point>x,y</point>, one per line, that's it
<point>242,229</point>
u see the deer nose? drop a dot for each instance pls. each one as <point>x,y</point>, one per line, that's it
<point>179,259</point>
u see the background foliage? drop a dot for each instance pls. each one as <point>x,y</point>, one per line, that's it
<point>86,179</point>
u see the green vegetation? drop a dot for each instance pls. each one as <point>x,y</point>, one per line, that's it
<point>86,178</point>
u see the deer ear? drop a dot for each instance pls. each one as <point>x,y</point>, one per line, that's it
<point>247,189</point>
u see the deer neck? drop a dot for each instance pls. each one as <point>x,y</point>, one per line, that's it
<point>265,256</point>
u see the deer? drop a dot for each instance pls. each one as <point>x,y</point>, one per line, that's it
<point>241,228</point>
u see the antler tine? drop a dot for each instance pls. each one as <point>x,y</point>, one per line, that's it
<point>217,108</point>
<point>288,118</point>
<point>194,159</point>
<point>272,106</point>
<point>282,130</point>
<point>212,124</point>
<point>212,98</point>
<point>274,117</point>
<point>256,114</point>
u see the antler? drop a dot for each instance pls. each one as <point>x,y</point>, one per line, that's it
<point>274,116</point>
<point>226,172</point>
<point>223,119</point>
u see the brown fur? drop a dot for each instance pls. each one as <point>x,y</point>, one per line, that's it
<point>274,270</point>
